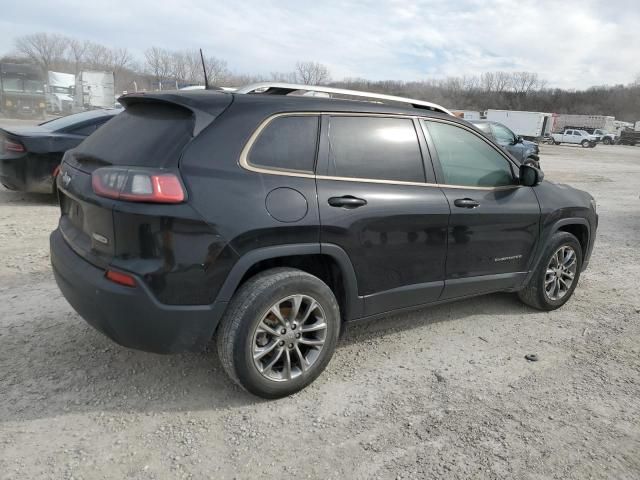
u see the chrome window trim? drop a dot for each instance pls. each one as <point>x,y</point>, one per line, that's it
<point>245,164</point>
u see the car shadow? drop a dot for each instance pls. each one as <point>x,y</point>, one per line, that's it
<point>19,199</point>
<point>56,364</point>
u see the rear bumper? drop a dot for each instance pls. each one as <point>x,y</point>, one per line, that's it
<point>28,174</point>
<point>131,317</point>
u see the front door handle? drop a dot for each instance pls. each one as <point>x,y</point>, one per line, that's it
<point>466,203</point>
<point>347,201</point>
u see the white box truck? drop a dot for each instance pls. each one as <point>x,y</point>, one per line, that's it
<point>95,90</point>
<point>60,92</point>
<point>530,125</point>
<point>584,122</point>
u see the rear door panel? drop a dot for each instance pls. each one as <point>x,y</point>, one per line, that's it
<point>396,242</point>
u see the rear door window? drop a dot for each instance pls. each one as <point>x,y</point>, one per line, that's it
<point>287,143</point>
<point>466,159</point>
<point>379,148</point>
<point>503,135</point>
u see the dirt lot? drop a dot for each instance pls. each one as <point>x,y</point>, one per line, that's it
<point>443,392</point>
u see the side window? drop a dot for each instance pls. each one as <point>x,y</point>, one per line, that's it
<point>468,160</point>
<point>503,134</point>
<point>375,147</point>
<point>287,143</point>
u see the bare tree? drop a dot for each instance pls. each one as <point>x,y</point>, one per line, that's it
<point>286,77</point>
<point>76,52</point>
<point>311,73</point>
<point>216,70</point>
<point>158,63</point>
<point>44,49</point>
<point>97,56</point>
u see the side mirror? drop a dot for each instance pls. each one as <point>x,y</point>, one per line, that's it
<point>519,139</point>
<point>530,176</point>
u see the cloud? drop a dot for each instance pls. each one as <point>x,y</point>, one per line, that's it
<point>572,44</point>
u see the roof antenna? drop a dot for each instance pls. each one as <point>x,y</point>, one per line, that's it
<point>204,70</point>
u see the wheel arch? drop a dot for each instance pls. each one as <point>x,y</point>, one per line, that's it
<point>328,262</point>
<point>579,228</point>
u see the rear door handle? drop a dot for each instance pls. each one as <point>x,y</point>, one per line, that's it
<point>466,203</point>
<point>347,201</point>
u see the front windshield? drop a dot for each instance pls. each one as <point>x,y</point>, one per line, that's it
<point>64,90</point>
<point>12,84</point>
<point>34,86</point>
<point>17,84</point>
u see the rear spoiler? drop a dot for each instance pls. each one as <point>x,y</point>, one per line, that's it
<point>204,105</point>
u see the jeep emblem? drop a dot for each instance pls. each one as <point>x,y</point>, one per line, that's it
<point>66,179</point>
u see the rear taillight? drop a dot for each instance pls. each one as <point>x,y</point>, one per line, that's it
<point>13,146</point>
<point>138,185</point>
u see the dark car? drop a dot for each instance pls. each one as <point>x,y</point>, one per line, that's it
<point>267,221</point>
<point>29,156</point>
<point>524,151</point>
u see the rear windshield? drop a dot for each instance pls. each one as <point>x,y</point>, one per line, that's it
<point>144,135</point>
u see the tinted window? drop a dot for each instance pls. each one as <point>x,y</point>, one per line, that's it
<point>468,160</point>
<point>503,134</point>
<point>287,143</point>
<point>374,147</point>
<point>145,135</point>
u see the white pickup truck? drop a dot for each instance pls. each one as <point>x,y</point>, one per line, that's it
<point>577,137</point>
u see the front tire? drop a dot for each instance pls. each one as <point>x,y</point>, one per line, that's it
<point>279,332</point>
<point>607,141</point>
<point>557,274</point>
<point>585,143</point>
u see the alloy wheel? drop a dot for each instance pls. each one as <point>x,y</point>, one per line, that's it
<point>561,272</point>
<point>289,338</point>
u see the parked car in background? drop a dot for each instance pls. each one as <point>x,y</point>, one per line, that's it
<point>526,152</point>
<point>576,137</point>
<point>29,156</point>
<point>270,220</point>
<point>605,137</point>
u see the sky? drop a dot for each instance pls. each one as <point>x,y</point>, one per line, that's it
<point>570,44</point>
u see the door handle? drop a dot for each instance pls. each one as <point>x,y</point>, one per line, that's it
<point>347,201</point>
<point>466,203</point>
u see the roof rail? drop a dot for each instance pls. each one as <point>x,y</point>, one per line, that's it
<point>277,88</point>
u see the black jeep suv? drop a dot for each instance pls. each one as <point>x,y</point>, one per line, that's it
<point>265,221</point>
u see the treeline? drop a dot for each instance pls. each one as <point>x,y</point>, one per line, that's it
<point>167,69</point>
<point>475,93</point>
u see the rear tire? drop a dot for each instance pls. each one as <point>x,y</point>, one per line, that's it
<point>299,341</point>
<point>540,291</point>
<point>556,143</point>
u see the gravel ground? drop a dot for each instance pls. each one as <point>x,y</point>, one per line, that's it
<point>443,392</point>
